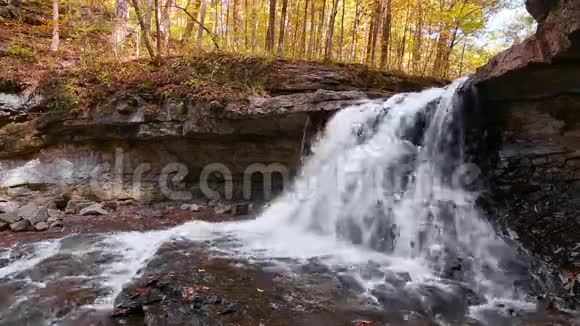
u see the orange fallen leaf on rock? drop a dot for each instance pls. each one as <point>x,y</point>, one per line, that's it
<point>123,310</point>
<point>142,290</point>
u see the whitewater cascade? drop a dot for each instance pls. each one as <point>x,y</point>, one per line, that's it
<point>386,185</point>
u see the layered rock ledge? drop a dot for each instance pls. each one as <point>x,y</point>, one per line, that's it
<point>122,148</point>
<point>530,98</point>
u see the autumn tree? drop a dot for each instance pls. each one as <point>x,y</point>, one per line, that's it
<point>271,26</point>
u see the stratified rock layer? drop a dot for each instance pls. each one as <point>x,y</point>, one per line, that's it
<point>237,149</point>
<point>530,97</point>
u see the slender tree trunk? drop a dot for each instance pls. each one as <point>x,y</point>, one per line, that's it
<point>246,25</point>
<point>158,31</point>
<point>202,19</point>
<point>370,39</point>
<point>311,40</point>
<point>462,59</point>
<point>189,26</point>
<point>138,42</point>
<point>374,33</point>
<point>256,26</point>
<point>330,34</point>
<point>271,27</point>
<point>320,35</point>
<point>386,37</point>
<point>441,50</point>
<point>55,28</point>
<point>404,41</point>
<point>147,15</point>
<point>166,23</point>
<point>145,32</point>
<point>355,27</point>
<point>296,26</point>
<point>120,27</point>
<point>282,27</point>
<point>418,43</point>
<point>304,24</point>
<point>341,42</point>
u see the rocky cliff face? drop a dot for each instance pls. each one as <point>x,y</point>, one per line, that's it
<point>179,149</point>
<point>530,96</point>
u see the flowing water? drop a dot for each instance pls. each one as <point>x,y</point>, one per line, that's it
<point>386,199</point>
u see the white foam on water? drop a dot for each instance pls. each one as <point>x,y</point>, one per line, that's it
<point>39,252</point>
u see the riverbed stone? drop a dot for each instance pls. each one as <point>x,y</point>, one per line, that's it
<point>41,226</point>
<point>94,209</point>
<point>20,226</point>
<point>74,206</point>
<point>56,224</point>
<point>33,213</point>
<point>9,218</point>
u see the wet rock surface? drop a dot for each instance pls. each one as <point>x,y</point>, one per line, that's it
<point>185,284</point>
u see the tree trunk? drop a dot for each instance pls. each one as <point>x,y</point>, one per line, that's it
<point>271,27</point>
<point>404,41</point>
<point>374,33</point>
<point>312,29</point>
<point>55,27</point>
<point>296,25</point>
<point>282,27</point>
<point>147,16</point>
<point>341,42</point>
<point>320,34</point>
<point>304,24</point>
<point>441,51</point>
<point>246,25</point>
<point>145,32</point>
<point>120,26</point>
<point>189,26</point>
<point>418,44</point>
<point>462,59</point>
<point>202,19</point>
<point>158,31</point>
<point>235,27</point>
<point>355,25</point>
<point>386,37</point>
<point>330,35</point>
<point>166,23</point>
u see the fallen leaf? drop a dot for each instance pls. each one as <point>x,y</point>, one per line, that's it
<point>142,290</point>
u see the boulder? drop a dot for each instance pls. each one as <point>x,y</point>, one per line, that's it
<point>42,226</point>
<point>9,218</point>
<point>54,214</point>
<point>56,224</point>
<point>94,209</point>
<point>74,206</point>
<point>33,213</point>
<point>20,226</point>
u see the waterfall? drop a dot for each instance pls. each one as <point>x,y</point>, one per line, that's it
<point>390,177</point>
<point>387,190</point>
